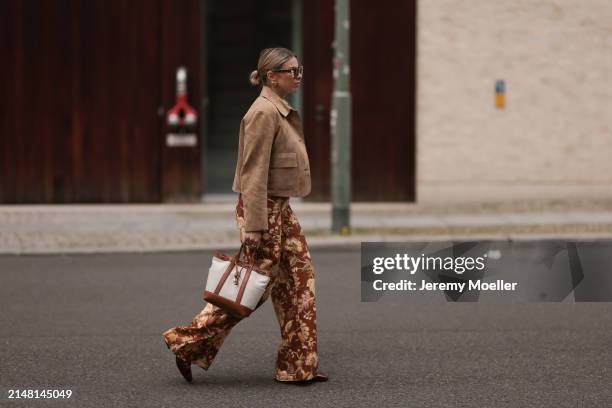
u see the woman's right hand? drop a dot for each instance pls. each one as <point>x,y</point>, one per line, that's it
<point>251,241</point>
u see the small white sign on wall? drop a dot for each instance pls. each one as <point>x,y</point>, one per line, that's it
<point>181,139</point>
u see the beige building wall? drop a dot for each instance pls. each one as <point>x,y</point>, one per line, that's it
<point>553,139</point>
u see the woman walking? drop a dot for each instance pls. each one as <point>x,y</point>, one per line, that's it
<point>272,166</point>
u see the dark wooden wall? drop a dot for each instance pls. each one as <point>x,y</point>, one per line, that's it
<point>82,87</point>
<point>383,61</point>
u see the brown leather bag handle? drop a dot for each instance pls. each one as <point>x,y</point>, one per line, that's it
<point>251,264</point>
<point>243,246</point>
<point>234,263</point>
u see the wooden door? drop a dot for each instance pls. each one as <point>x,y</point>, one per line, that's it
<point>83,93</point>
<point>383,59</point>
<point>180,167</point>
<point>318,35</point>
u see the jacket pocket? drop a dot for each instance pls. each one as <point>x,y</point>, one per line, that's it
<point>283,177</point>
<point>283,160</point>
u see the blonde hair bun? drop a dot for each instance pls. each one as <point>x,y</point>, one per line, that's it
<point>254,78</point>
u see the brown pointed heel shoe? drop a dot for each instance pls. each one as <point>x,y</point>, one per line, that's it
<point>185,368</point>
<point>320,377</point>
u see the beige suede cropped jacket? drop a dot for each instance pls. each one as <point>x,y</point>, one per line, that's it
<point>272,157</point>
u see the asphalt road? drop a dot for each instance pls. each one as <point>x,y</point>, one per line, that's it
<point>93,324</point>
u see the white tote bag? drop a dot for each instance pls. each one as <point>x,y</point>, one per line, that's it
<point>233,285</point>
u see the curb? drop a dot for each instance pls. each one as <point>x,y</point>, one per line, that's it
<point>319,243</point>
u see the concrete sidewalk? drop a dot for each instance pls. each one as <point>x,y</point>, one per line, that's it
<point>45,229</point>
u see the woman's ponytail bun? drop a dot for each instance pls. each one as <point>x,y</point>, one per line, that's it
<point>254,78</point>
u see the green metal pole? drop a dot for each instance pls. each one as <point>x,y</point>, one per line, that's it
<point>296,46</point>
<point>340,121</point>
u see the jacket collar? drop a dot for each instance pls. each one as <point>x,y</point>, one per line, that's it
<point>282,105</point>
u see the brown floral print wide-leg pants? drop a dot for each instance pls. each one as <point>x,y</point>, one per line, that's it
<point>285,254</point>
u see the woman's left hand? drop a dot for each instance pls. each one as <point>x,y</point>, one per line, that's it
<point>253,236</point>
